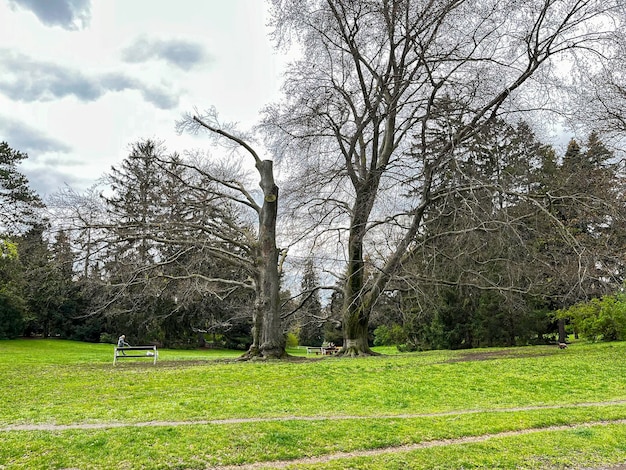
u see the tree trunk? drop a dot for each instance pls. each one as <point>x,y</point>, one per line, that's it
<point>359,301</point>
<point>355,332</point>
<point>268,338</point>
<point>562,334</point>
<point>356,304</point>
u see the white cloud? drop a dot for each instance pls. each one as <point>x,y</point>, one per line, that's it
<point>180,53</point>
<point>29,79</point>
<point>68,14</point>
<point>75,100</point>
<point>22,136</point>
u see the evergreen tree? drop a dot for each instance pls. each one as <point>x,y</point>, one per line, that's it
<point>310,315</point>
<point>574,159</point>
<point>530,234</point>
<point>12,305</point>
<point>43,291</point>
<point>597,154</point>
<point>137,201</point>
<point>18,201</point>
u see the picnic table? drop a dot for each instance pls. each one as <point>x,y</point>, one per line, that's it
<point>323,350</point>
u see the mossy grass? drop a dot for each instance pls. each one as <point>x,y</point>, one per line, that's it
<point>303,408</point>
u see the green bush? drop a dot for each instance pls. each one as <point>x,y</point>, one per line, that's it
<point>601,319</point>
<point>386,336</point>
<point>108,338</point>
<point>291,340</point>
<point>381,336</point>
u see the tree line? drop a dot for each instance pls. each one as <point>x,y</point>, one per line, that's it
<point>429,209</point>
<point>165,257</point>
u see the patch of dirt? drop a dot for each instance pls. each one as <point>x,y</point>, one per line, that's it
<point>501,354</point>
<point>621,466</point>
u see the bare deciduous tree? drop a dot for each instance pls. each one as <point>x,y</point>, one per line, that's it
<point>597,93</point>
<point>384,94</point>
<point>268,338</point>
<point>81,216</point>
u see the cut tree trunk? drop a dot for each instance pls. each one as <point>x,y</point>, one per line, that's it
<point>268,338</point>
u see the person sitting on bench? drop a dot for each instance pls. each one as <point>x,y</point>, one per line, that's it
<point>121,342</point>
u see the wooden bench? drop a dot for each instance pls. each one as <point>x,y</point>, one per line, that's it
<point>310,350</point>
<point>120,352</point>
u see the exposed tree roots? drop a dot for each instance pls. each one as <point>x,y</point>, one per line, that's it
<point>356,352</point>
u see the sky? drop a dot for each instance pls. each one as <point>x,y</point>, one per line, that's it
<point>82,80</point>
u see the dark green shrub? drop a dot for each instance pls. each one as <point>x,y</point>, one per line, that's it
<point>11,317</point>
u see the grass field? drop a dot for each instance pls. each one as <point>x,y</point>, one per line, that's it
<point>65,405</point>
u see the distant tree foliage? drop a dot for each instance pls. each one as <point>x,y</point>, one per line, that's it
<point>39,295</point>
<point>20,216</point>
<point>18,201</point>
<point>55,301</point>
<point>538,234</point>
<point>12,305</point>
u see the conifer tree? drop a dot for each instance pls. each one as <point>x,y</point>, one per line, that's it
<point>18,201</point>
<point>310,314</point>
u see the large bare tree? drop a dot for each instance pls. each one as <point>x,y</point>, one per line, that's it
<point>267,334</point>
<point>597,93</point>
<point>384,94</point>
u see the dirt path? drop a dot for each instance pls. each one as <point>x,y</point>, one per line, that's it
<point>344,455</point>
<point>65,427</point>
<point>408,448</point>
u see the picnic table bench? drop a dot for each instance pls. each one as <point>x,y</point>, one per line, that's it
<point>120,352</point>
<point>324,350</point>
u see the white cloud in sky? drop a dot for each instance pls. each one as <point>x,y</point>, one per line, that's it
<point>29,139</point>
<point>29,79</point>
<point>179,53</point>
<point>68,14</point>
<point>82,80</point>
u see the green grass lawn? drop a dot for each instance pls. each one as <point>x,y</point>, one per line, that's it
<point>202,409</point>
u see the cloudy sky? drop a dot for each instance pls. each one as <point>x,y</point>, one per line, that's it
<point>83,79</point>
